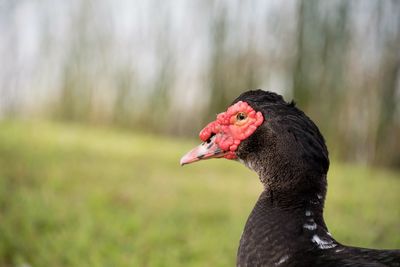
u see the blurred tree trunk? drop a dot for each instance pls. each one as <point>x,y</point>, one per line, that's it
<point>387,143</point>
<point>218,96</point>
<point>232,71</point>
<point>76,90</point>
<point>301,85</point>
<point>123,113</point>
<point>318,72</point>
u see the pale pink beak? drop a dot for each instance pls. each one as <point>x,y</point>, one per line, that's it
<point>206,150</point>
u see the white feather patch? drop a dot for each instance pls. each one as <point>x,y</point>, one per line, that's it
<point>323,244</point>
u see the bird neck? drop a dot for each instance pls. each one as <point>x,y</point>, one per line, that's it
<point>295,201</point>
<point>295,191</point>
<point>296,206</point>
<point>279,230</point>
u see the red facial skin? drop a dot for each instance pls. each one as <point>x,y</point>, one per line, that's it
<point>230,128</point>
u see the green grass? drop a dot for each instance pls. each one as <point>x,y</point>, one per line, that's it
<point>83,196</point>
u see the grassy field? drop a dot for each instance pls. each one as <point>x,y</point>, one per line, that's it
<point>83,196</point>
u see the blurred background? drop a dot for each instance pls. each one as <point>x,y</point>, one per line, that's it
<point>99,99</point>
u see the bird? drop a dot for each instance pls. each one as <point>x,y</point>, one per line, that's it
<point>285,148</point>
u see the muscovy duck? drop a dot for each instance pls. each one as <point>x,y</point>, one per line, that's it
<point>279,142</point>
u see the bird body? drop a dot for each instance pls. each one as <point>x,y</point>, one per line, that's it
<point>277,235</point>
<point>286,149</point>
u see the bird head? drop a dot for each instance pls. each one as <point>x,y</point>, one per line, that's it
<point>267,134</point>
<point>222,137</point>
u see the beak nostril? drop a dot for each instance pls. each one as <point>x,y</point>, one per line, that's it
<point>209,139</point>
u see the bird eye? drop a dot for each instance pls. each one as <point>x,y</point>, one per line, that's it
<point>241,116</point>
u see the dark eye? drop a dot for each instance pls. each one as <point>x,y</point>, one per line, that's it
<point>241,116</point>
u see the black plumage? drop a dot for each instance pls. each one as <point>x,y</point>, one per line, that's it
<point>286,226</point>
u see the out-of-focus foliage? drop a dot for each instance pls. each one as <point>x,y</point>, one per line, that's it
<point>169,66</point>
<point>72,195</point>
